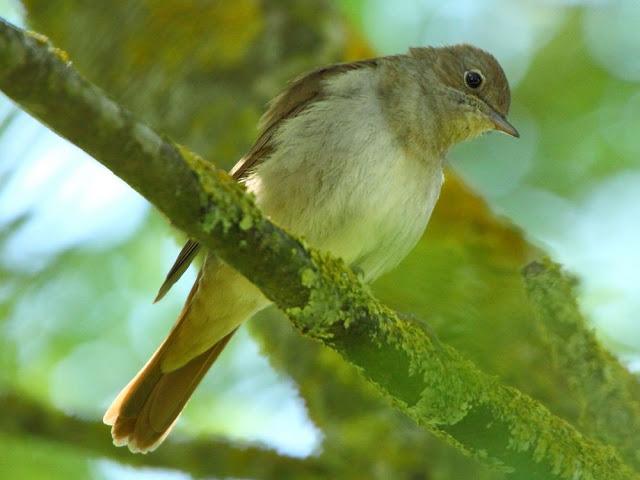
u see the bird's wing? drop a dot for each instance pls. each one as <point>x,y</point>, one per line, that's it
<point>185,257</point>
<point>301,93</point>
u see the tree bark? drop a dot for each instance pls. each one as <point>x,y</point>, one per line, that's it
<point>606,391</point>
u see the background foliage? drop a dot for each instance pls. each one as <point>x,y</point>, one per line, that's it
<point>81,256</point>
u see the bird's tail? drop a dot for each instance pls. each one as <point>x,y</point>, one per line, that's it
<point>143,413</point>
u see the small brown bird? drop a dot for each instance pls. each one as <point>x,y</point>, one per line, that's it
<point>349,157</point>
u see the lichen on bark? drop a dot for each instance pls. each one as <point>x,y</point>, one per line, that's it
<point>602,387</point>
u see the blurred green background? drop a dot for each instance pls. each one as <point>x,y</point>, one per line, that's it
<point>81,254</point>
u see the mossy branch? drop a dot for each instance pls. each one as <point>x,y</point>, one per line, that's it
<point>354,420</point>
<point>430,383</point>
<point>200,458</point>
<point>602,386</point>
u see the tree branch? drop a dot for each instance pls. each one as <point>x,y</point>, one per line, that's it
<point>600,383</point>
<point>362,436</point>
<point>200,458</point>
<point>432,384</point>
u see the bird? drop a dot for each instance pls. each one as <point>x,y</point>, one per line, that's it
<point>350,157</point>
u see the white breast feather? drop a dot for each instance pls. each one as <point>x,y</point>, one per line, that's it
<point>339,179</point>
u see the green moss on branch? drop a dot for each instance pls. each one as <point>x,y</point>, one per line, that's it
<point>601,385</point>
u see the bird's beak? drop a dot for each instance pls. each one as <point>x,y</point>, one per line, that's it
<point>501,124</point>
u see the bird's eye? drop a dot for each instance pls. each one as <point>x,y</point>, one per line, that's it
<point>473,78</point>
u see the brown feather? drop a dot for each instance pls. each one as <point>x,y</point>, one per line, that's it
<point>174,388</point>
<point>302,92</point>
<point>185,257</point>
<point>145,410</point>
<point>151,404</point>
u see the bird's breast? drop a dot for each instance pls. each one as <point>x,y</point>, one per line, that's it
<point>338,178</point>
